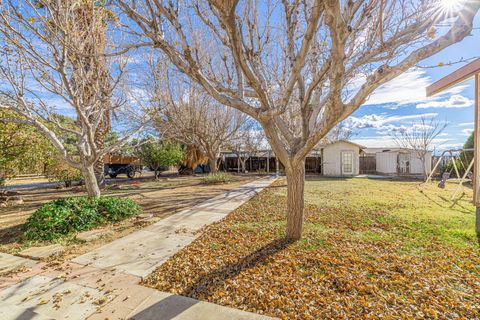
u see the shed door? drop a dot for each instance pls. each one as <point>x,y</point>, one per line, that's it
<point>403,163</point>
<point>347,162</point>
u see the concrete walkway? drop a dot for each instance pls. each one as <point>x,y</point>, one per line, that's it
<point>104,284</point>
<point>143,251</point>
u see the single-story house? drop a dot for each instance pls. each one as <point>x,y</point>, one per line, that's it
<point>340,158</point>
<point>337,159</point>
<point>399,161</point>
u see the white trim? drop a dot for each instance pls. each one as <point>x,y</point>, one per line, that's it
<point>342,171</point>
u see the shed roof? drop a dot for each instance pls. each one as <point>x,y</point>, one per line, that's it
<point>396,149</point>
<point>342,140</point>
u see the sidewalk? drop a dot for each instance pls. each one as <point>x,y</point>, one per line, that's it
<point>103,284</point>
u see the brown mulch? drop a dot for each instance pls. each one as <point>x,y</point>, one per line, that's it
<point>243,262</point>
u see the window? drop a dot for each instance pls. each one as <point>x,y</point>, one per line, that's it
<point>347,162</point>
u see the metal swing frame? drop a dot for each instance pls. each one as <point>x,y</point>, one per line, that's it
<point>453,158</point>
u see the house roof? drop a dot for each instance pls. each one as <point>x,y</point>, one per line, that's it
<point>395,149</point>
<point>314,152</point>
<point>343,140</point>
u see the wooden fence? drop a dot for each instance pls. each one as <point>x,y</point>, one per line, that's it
<point>368,165</point>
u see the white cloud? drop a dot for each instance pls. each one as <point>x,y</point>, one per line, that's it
<point>381,121</point>
<point>409,88</point>
<point>455,101</point>
<point>467,132</point>
<point>466,124</point>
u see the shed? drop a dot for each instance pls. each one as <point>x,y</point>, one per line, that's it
<point>398,161</point>
<point>341,158</point>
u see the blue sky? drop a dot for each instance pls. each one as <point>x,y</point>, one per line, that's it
<point>403,101</point>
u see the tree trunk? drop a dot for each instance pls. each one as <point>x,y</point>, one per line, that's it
<point>212,161</point>
<point>424,166</point>
<point>477,223</point>
<point>295,203</point>
<point>99,169</point>
<point>243,165</point>
<point>91,182</point>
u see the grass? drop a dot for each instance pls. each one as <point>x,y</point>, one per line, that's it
<point>371,249</point>
<point>424,212</point>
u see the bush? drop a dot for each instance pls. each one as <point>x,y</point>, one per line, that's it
<point>161,154</point>
<point>62,217</point>
<point>217,177</point>
<point>59,171</point>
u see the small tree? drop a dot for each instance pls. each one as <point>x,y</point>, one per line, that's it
<point>159,154</point>
<point>51,49</point>
<point>420,137</point>
<point>246,144</point>
<point>22,148</point>
<point>59,171</point>
<point>192,118</point>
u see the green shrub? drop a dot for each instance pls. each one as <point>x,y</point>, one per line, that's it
<point>59,171</point>
<point>62,217</point>
<point>217,177</point>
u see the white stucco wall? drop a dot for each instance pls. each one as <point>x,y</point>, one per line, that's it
<point>416,164</point>
<point>332,158</point>
<point>386,162</point>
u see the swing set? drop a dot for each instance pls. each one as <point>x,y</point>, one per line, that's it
<point>467,72</point>
<point>454,157</point>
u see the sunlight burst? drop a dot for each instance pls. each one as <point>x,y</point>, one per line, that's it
<point>451,5</point>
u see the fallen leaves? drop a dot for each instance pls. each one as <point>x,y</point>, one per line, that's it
<point>351,263</point>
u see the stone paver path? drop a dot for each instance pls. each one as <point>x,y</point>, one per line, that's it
<point>104,284</point>
<point>37,253</point>
<point>10,263</point>
<point>141,252</point>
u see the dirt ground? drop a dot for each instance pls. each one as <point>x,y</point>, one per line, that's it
<point>159,198</point>
<point>26,180</point>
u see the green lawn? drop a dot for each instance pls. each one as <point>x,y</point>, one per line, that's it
<point>417,212</point>
<point>371,249</point>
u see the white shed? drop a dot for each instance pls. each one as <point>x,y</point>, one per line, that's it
<point>402,162</point>
<point>341,158</point>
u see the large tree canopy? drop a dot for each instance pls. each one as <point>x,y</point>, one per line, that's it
<point>297,67</point>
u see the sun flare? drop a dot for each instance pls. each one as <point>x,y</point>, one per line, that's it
<point>451,5</point>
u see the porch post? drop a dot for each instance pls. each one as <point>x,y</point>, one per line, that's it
<point>268,161</point>
<point>476,156</point>
<point>277,169</point>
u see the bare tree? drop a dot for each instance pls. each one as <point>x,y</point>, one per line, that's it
<point>48,54</point>
<point>246,144</point>
<point>340,132</point>
<point>189,116</point>
<point>298,67</point>
<point>420,137</point>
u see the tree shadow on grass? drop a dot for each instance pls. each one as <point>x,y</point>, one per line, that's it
<point>216,278</point>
